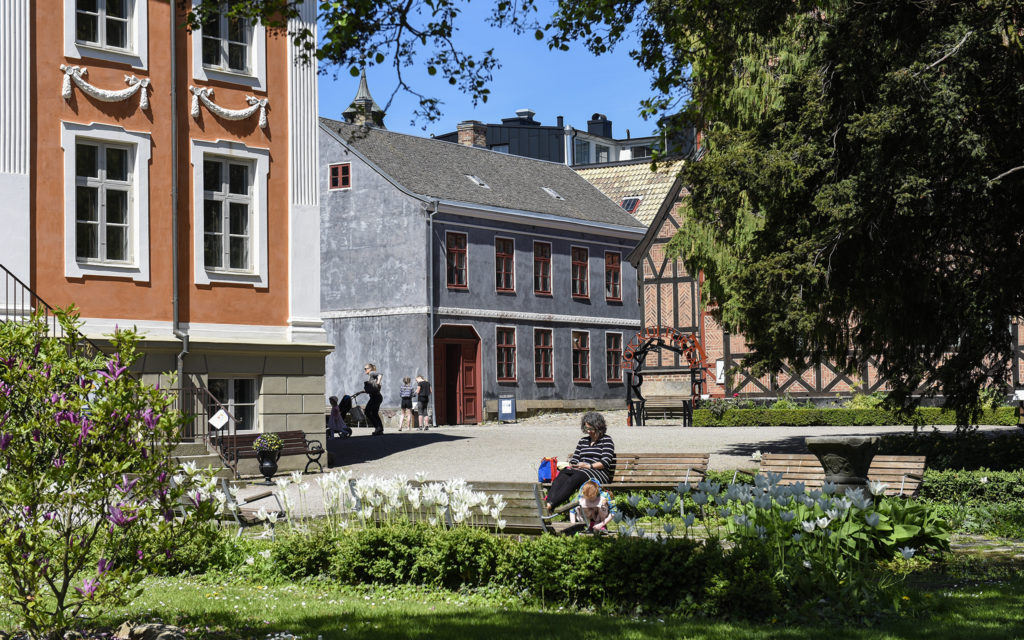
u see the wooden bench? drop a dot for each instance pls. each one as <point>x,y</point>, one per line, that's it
<point>665,406</point>
<point>902,475</point>
<point>239,447</point>
<point>638,471</point>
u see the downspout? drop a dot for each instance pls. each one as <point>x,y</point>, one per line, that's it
<point>175,275</point>
<point>430,306</point>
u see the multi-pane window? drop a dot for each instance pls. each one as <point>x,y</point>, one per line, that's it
<point>238,396</point>
<point>612,276</point>
<point>603,153</point>
<point>631,204</point>
<point>580,285</point>
<point>504,264</point>
<point>103,202</point>
<point>455,257</point>
<point>227,214</point>
<point>542,267</point>
<point>103,23</point>
<point>341,176</point>
<point>643,151</point>
<point>580,356</point>
<point>227,43</point>
<point>542,354</point>
<point>613,356</point>
<point>582,151</point>
<point>505,345</point>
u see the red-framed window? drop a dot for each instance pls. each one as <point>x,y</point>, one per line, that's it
<point>542,356</point>
<point>542,268</point>
<point>504,264</point>
<point>341,176</point>
<point>505,345</point>
<point>613,356</point>
<point>580,273</point>
<point>580,356</point>
<point>612,276</point>
<point>455,258</point>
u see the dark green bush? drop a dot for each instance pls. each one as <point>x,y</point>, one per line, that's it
<point>975,450</point>
<point>802,417</point>
<point>973,487</point>
<point>305,554</point>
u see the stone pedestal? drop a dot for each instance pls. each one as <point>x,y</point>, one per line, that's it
<point>845,459</point>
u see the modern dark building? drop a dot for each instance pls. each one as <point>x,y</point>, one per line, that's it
<point>525,136</point>
<point>489,273</point>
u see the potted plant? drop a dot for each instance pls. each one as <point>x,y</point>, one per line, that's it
<point>268,449</point>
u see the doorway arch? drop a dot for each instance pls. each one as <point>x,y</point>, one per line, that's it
<point>458,394</point>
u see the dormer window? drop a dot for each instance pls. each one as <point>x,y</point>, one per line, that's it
<point>631,204</point>
<point>551,192</point>
<point>478,182</point>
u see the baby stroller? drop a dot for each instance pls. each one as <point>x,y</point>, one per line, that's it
<point>354,412</point>
<point>342,430</point>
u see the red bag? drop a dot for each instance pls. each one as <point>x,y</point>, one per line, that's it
<point>548,469</point>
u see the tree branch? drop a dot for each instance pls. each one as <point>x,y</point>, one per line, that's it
<point>948,53</point>
<point>1005,173</point>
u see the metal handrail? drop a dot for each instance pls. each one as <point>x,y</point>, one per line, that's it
<point>197,403</point>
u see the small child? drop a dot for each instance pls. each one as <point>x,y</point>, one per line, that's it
<point>405,393</point>
<point>595,507</point>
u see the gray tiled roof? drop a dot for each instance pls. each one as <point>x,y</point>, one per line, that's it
<point>438,170</point>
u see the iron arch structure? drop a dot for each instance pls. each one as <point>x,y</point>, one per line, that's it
<point>654,339</point>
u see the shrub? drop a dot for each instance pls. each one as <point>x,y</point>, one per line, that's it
<point>86,493</point>
<point>971,451</point>
<point>764,417</point>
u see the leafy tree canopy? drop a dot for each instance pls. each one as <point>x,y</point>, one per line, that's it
<point>858,198</point>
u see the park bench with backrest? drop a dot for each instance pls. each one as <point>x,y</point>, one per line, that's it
<point>239,447</point>
<point>902,475</point>
<point>666,406</point>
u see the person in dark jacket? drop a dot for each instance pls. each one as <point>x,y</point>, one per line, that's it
<point>423,402</point>
<point>371,387</point>
<point>593,459</point>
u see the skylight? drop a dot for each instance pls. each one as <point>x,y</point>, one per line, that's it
<point>630,204</point>
<point>477,181</point>
<point>551,192</point>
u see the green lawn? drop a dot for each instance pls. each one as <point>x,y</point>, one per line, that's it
<point>975,609</point>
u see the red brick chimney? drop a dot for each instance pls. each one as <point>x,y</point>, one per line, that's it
<point>473,133</point>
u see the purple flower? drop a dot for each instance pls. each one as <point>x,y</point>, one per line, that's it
<point>86,428</point>
<point>114,369</point>
<point>126,485</point>
<point>138,554</point>
<point>150,418</point>
<point>103,566</point>
<point>88,588</point>
<point>120,518</point>
<point>168,515</point>
<point>5,440</point>
<point>58,462</point>
<point>197,498</point>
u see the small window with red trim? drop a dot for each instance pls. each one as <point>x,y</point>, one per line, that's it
<point>341,176</point>
<point>542,354</point>
<point>542,268</point>
<point>505,345</point>
<point>504,265</point>
<point>613,358</point>
<point>455,259</point>
<point>580,356</point>
<point>612,276</point>
<point>580,272</point>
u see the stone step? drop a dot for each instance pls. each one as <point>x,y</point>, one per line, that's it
<point>190,449</point>
<point>207,460</point>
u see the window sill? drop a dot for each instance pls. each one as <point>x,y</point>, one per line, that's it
<point>507,292</point>
<point>453,287</point>
<point>106,270</point>
<point>542,294</point>
<point>577,296</point>
<point>613,300</point>
<point>213,74</point>
<point>580,381</point>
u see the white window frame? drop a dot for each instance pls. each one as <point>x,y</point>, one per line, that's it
<point>226,198</point>
<point>259,160</point>
<point>137,268</point>
<point>256,79</point>
<point>137,53</point>
<point>229,403</point>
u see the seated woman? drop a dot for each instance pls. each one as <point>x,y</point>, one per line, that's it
<point>593,459</point>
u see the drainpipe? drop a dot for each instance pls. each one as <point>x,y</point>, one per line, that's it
<point>175,275</point>
<point>430,306</point>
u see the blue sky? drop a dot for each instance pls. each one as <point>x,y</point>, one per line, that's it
<point>574,84</point>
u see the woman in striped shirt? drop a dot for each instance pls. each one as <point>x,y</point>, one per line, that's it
<point>593,459</point>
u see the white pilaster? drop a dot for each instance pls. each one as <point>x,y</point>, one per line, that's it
<point>303,189</point>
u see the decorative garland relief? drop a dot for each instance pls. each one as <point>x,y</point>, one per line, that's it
<point>77,75</point>
<point>204,95</point>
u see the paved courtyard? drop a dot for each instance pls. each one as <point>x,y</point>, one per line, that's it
<point>511,452</point>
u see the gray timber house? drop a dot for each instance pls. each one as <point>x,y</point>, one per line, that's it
<point>487,273</point>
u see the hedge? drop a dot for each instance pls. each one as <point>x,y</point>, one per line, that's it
<point>975,450</point>
<point>764,417</point>
<point>973,487</point>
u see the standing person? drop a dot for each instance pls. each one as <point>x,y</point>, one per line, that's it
<point>593,459</point>
<point>423,402</point>
<point>371,387</point>
<point>405,392</point>
<point>336,423</point>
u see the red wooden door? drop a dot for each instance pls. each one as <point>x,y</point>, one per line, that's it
<point>469,397</point>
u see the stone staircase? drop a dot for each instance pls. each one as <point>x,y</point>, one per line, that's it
<point>198,453</point>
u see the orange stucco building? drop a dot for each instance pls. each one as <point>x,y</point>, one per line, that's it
<point>167,180</point>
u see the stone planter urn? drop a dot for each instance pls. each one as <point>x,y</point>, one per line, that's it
<point>268,463</point>
<point>845,459</point>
